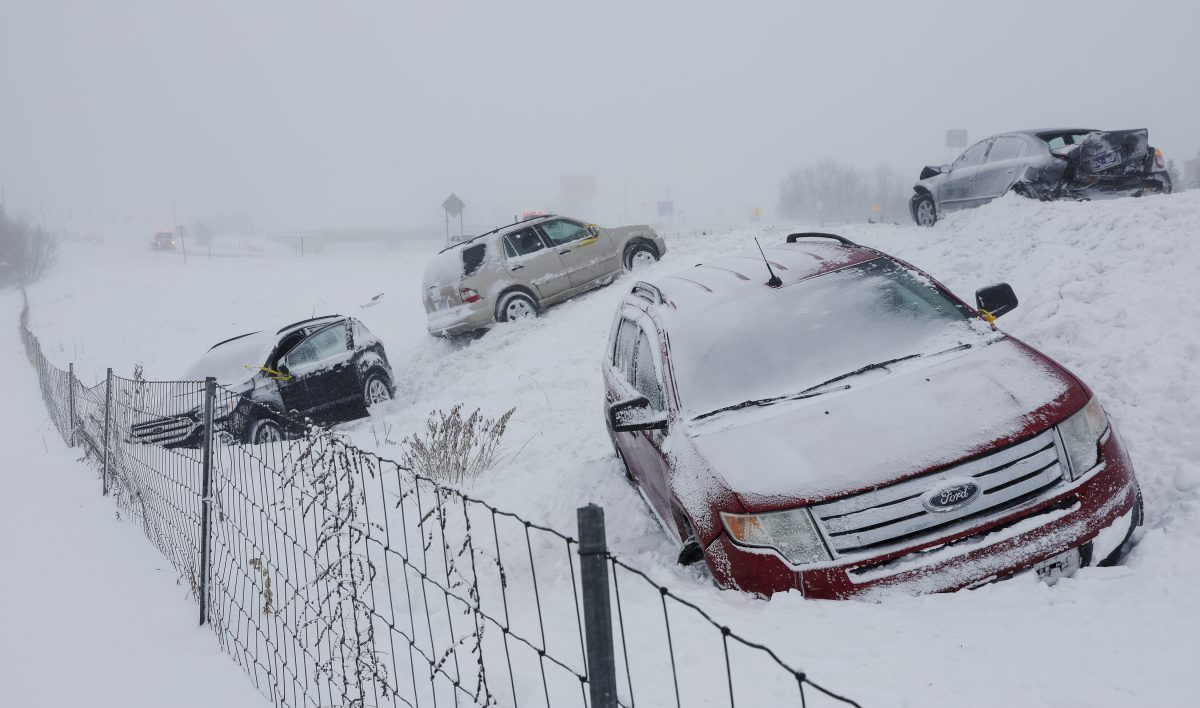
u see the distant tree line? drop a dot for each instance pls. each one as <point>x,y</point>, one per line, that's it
<point>832,191</point>
<point>26,251</point>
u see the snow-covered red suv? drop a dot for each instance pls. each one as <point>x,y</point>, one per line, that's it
<point>842,424</point>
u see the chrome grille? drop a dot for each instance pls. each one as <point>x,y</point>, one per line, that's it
<point>896,513</point>
<point>163,431</point>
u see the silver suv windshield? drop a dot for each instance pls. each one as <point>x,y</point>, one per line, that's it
<point>790,342</point>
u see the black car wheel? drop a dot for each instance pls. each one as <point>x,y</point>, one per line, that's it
<point>639,256</point>
<point>376,389</point>
<point>924,210</point>
<point>515,306</point>
<point>264,431</point>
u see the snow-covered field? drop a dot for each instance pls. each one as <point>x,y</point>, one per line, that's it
<point>1105,288</point>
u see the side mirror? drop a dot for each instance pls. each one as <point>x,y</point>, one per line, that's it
<point>635,414</point>
<point>995,300</point>
<point>929,171</point>
<point>593,230</point>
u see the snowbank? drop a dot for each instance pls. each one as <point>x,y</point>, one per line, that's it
<point>1105,289</point>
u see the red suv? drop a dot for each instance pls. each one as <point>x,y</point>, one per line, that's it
<point>825,417</point>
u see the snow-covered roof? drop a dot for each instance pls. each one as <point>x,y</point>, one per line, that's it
<point>705,285</point>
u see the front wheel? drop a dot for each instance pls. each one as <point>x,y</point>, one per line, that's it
<point>376,390</point>
<point>515,306</point>
<point>264,431</point>
<point>639,256</point>
<point>924,210</point>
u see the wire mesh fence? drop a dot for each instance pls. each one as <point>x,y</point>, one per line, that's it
<point>336,577</point>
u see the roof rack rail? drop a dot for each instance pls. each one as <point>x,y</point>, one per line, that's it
<point>646,291</point>
<point>311,319</point>
<point>498,228</point>
<point>792,238</point>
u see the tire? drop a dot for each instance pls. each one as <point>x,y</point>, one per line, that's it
<point>515,305</point>
<point>1024,189</point>
<point>640,255</point>
<point>263,431</point>
<point>924,210</point>
<point>376,390</point>
<point>690,550</point>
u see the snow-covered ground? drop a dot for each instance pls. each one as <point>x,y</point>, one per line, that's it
<point>1105,288</point>
<point>90,614</point>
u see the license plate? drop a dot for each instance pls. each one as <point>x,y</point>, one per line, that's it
<point>1063,565</point>
<point>1105,161</point>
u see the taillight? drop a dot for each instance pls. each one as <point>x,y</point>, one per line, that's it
<point>1158,159</point>
<point>468,295</point>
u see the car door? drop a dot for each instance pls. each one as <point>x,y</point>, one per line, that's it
<point>323,364</point>
<point>958,185</point>
<point>531,261</point>
<point>1000,169</point>
<point>587,253</point>
<point>637,359</point>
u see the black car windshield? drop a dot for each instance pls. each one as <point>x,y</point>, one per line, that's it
<point>781,342</point>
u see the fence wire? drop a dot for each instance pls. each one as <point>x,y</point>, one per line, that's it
<point>336,577</point>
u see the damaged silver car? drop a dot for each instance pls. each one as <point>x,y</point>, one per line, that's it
<point>1066,163</point>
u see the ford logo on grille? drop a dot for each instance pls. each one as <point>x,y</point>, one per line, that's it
<point>951,494</point>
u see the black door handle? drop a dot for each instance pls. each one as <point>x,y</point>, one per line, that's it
<point>563,253</point>
<point>517,267</point>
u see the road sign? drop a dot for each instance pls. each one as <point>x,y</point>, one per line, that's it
<point>956,138</point>
<point>666,208</point>
<point>453,205</point>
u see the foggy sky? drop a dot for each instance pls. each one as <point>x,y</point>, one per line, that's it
<point>302,114</point>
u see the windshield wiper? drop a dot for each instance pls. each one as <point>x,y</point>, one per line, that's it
<point>812,391</point>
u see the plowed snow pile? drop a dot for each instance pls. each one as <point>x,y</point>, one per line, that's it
<point>1106,288</point>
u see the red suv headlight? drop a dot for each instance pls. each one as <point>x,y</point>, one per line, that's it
<point>792,533</point>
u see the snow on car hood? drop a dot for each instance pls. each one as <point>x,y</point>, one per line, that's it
<point>235,361</point>
<point>885,427</point>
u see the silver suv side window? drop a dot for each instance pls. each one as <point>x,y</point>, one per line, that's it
<point>522,243</point>
<point>645,376</point>
<point>326,343</point>
<point>561,231</point>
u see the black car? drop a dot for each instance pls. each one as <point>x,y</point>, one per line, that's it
<point>1067,163</point>
<point>328,369</point>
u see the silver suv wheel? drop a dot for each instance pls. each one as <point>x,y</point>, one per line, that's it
<point>515,306</point>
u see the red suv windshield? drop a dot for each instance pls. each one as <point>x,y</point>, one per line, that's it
<point>781,342</point>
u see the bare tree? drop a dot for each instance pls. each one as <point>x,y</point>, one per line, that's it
<point>26,251</point>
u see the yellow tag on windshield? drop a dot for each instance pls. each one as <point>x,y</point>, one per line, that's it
<point>276,375</point>
<point>987,316</point>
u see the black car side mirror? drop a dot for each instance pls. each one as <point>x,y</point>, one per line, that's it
<point>996,300</point>
<point>931,171</point>
<point>635,414</point>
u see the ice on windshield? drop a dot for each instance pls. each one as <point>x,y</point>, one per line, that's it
<point>228,362</point>
<point>784,341</point>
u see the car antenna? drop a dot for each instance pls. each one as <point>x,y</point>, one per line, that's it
<point>774,282</point>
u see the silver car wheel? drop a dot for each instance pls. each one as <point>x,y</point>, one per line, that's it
<point>925,213</point>
<point>641,259</point>
<point>518,309</point>
<point>377,391</point>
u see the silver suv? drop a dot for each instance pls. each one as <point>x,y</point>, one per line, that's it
<point>518,270</point>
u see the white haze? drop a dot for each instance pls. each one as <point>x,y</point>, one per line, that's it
<point>300,114</point>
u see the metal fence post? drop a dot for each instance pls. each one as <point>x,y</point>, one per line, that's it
<point>597,608</point>
<point>71,407</point>
<point>107,417</point>
<point>210,392</point>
